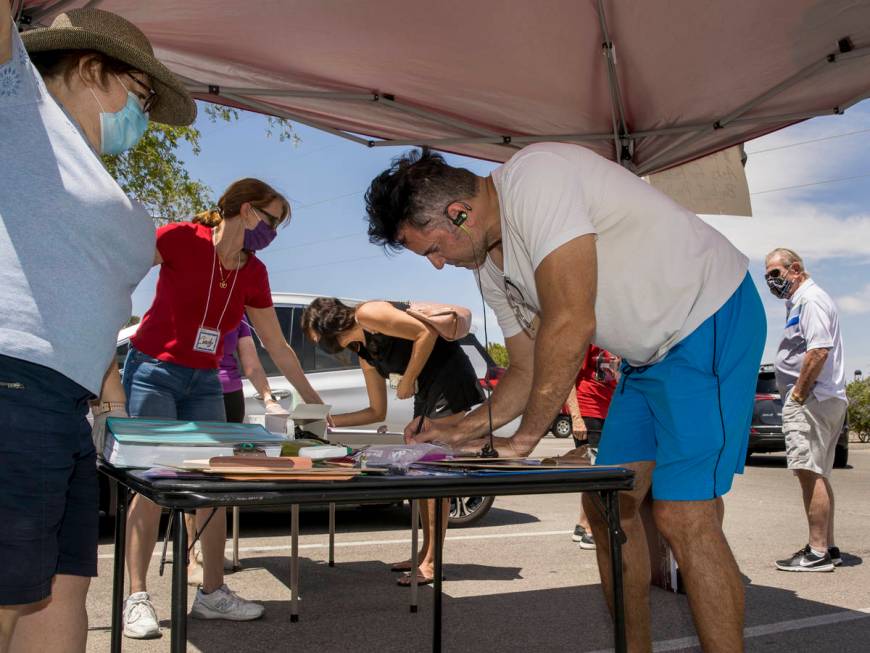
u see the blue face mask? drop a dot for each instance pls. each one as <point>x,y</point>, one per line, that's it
<point>121,130</point>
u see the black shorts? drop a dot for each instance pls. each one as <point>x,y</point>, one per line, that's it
<point>49,496</point>
<point>234,404</point>
<point>594,426</point>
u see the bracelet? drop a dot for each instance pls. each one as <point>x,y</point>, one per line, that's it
<point>108,406</point>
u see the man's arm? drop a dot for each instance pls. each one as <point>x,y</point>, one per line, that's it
<point>566,281</point>
<point>5,31</point>
<point>814,361</point>
<point>508,401</point>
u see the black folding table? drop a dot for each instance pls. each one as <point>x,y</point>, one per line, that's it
<point>186,495</point>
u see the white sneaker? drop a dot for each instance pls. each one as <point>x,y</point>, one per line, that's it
<point>223,603</point>
<point>140,620</point>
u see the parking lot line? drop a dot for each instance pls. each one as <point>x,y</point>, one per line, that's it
<point>404,541</point>
<point>763,629</point>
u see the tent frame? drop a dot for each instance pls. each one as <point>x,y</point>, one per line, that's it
<point>623,138</point>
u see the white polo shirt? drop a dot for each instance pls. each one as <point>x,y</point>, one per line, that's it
<point>812,322</point>
<point>662,271</point>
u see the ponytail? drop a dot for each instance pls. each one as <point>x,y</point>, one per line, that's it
<point>210,218</point>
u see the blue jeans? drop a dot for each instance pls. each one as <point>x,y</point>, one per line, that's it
<point>160,390</point>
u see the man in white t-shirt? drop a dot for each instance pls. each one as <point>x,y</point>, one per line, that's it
<point>571,249</point>
<point>811,376</point>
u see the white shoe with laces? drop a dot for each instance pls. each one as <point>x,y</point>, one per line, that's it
<point>140,620</point>
<point>223,603</point>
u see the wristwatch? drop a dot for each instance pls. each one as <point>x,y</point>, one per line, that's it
<point>270,397</point>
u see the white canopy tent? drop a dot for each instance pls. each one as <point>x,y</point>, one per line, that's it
<point>648,84</point>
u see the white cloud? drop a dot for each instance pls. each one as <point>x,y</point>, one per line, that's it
<point>807,229</point>
<point>856,303</point>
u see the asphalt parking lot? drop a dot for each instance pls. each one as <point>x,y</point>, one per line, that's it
<point>516,582</point>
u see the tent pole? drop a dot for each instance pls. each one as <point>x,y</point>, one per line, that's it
<point>623,143</point>
<point>801,75</point>
<point>271,92</point>
<point>390,101</point>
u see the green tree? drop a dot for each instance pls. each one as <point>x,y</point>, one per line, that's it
<point>858,393</point>
<point>153,173</point>
<point>498,353</point>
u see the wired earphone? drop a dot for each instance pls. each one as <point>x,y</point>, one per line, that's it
<point>488,450</point>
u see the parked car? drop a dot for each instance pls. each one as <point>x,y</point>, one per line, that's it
<point>339,381</point>
<point>765,434</point>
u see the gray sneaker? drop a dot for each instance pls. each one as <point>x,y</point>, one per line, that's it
<point>223,603</point>
<point>140,620</point>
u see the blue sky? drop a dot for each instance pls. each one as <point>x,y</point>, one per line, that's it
<point>325,251</point>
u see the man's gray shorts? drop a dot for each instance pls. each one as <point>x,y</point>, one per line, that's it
<point>811,432</point>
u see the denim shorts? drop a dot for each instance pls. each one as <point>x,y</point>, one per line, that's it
<point>160,390</point>
<point>49,496</point>
<point>690,412</point>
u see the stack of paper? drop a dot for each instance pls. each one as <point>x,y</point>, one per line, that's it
<point>155,442</point>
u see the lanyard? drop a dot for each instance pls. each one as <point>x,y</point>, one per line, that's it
<point>211,285</point>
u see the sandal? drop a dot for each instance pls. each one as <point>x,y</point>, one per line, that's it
<point>405,580</point>
<point>401,566</point>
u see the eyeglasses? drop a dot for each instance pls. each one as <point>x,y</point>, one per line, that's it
<point>775,273</point>
<point>273,220</point>
<point>151,95</point>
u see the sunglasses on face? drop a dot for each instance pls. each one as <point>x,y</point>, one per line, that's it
<point>273,220</point>
<point>150,94</point>
<point>776,273</point>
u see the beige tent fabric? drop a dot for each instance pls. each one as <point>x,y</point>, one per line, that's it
<point>476,72</point>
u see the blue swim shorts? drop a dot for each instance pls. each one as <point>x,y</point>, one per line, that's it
<point>690,412</point>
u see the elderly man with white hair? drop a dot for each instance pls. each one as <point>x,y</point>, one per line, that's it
<point>811,377</point>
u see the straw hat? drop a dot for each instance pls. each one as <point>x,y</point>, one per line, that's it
<point>95,29</point>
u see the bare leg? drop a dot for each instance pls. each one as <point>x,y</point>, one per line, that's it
<point>720,510</point>
<point>143,521</point>
<point>213,540</point>
<point>818,507</point>
<point>61,622</point>
<point>9,615</point>
<point>713,584</point>
<point>190,526</point>
<point>635,556</point>
<point>582,519</point>
<point>831,541</point>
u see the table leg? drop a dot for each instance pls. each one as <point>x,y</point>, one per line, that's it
<point>415,528</point>
<point>118,574</point>
<point>436,595</point>
<point>236,564</point>
<point>178,641</point>
<point>616,537</point>
<point>331,534</point>
<point>294,563</point>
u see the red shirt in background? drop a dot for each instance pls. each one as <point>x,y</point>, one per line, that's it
<point>595,384</point>
<point>168,330</point>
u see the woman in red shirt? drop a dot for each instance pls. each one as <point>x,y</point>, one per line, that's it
<point>209,277</point>
<point>588,406</point>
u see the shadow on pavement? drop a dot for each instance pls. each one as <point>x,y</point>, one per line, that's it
<point>357,607</point>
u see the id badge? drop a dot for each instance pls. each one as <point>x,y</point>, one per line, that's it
<point>207,340</point>
<point>394,380</point>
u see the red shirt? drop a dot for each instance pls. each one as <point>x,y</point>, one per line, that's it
<point>594,388</point>
<point>168,330</point>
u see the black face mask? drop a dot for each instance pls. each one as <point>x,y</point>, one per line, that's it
<point>779,286</point>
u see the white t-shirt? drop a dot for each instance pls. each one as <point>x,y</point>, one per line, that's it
<point>662,271</point>
<point>811,322</point>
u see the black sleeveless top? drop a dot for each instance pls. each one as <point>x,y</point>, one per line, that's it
<point>447,383</point>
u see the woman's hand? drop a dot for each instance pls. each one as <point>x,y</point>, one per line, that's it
<point>579,427</point>
<point>405,389</point>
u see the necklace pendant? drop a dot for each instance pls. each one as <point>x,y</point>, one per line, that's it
<point>223,284</point>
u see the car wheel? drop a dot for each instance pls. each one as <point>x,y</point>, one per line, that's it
<point>562,427</point>
<point>841,457</point>
<point>465,511</point>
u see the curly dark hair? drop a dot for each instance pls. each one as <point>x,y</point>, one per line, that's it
<point>417,186</point>
<point>327,317</point>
